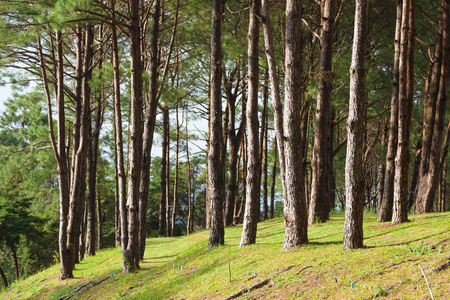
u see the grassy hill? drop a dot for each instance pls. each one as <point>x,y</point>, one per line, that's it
<point>183,267</point>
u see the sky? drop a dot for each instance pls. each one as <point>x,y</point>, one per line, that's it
<point>5,93</point>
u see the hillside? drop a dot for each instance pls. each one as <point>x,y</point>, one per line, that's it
<point>183,268</point>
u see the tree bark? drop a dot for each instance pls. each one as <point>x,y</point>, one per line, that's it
<point>319,208</point>
<point>175,183</point>
<point>295,214</point>
<point>264,139</point>
<point>405,96</point>
<point>121,185</point>
<point>385,209</point>
<point>434,119</point>
<point>354,182</point>
<point>131,261</point>
<point>253,163</point>
<point>215,172</point>
<point>78,180</point>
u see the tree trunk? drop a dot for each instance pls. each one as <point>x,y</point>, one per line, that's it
<point>91,183</point>
<point>354,182</point>
<point>264,139</point>
<point>149,129</point>
<point>166,143</point>
<point>5,281</point>
<point>253,163</point>
<point>121,185</point>
<point>319,208</point>
<point>295,214</point>
<point>215,172</point>
<point>385,209</point>
<point>415,174</point>
<point>405,96</point>
<point>175,184</point>
<point>78,180</point>
<point>434,119</point>
<point>131,261</point>
<point>189,216</point>
<point>16,264</point>
<point>274,173</point>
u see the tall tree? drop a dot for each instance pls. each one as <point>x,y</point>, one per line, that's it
<point>295,213</point>
<point>319,207</point>
<point>385,209</point>
<point>405,105</point>
<point>131,257</point>
<point>354,182</point>
<point>253,163</point>
<point>434,116</point>
<point>215,177</point>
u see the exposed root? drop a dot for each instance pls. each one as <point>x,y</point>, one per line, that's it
<point>82,288</point>
<point>258,284</point>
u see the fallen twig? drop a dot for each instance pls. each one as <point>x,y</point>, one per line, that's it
<point>258,284</point>
<point>426,280</point>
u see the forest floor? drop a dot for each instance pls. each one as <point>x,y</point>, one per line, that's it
<point>183,267</point>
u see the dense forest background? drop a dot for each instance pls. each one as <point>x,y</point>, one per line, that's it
<point>132,119</point>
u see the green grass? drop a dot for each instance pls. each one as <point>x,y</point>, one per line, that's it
<point>387,267</point>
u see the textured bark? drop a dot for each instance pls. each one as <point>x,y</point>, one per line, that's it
<point>149,129</point>
<point>234,140</point>
<point>319,208</point>
<point>354,181</point>
<point>131,261</point>
<point>385,209</point>
<point>91,185</point>
<point>162,197</point>
<point>121,176</point>
<point>405,96</point>
<point>215,172</point>
<point>253,162</point>
<point>434,118</point>
<point>275,89</point>
<point>295,214</point>
<point>61,158</point>
<point>78,178</point>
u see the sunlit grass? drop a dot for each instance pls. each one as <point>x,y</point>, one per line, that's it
<point>183,267</point>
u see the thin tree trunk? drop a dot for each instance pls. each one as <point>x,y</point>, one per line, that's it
<point>175,184</point>
<point>264,139</point>
<point>415,174</point>
<point>295,214</point>
<point>382,167</point>
<point>385,209</point>
<point>166,133</point>
<point>162,200</point>
<point>16,264</point>
<point>319,208</point>
<point>274,173</point>
<point>189,216</point>
<point>406,93</point>
<point>215,172</point>
<point>354,182</point>
<point>253,163</point>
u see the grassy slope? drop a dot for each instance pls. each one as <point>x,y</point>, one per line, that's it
<point>391,257</point>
